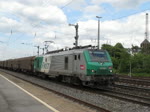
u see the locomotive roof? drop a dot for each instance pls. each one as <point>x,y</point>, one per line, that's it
<point>22,58</point>
<point>65,52</point>
<point>75,51</point>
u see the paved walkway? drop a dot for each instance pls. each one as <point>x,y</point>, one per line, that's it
<point>15,99</point>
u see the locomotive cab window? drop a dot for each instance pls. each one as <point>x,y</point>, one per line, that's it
<point>75,57</point>
<point>45,59</point>
<point>97,55</point>
<point>66,63</point>
<point>79,56</point>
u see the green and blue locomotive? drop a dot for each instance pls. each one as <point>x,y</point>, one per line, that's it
<point>88,66</point>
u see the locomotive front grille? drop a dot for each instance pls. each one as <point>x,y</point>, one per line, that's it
<point>103,71</point>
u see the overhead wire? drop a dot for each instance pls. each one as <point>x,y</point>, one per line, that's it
<point>67,4</point>
<point>130,14</point>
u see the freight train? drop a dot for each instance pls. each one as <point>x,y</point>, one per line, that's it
<point>89,67</point>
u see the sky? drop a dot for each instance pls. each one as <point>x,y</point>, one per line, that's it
<point>25,24</point>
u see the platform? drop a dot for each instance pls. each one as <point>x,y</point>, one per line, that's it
<point>14,99</point>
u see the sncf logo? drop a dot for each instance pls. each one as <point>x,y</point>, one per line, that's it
<point>82,67</point>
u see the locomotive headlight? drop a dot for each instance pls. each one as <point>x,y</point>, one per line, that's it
<point>93,71</point>
<point>110,71</point>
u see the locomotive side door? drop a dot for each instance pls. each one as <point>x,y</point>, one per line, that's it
<point>75,63</point>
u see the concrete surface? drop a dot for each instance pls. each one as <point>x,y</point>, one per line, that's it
<point>13,99</point>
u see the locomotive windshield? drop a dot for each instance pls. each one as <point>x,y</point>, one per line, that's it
<point>98,56</point>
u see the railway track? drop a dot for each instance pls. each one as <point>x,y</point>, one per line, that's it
<point>131,87</point>
<point>134,80</point>
<point>126,95</point>
<point>111,92</point>
<point>134,77</point>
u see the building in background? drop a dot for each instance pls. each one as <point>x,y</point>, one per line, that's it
<point>145,45</point>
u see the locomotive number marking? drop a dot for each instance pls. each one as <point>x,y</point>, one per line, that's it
<point>45,65</point>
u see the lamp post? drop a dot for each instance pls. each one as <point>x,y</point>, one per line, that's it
<point>130,73</point>
<point>77,36</point>
<point>98,43</point>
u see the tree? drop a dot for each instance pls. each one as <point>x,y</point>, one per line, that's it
<point>120,57</point>
<point>109,48</point>
<point>119,45</point>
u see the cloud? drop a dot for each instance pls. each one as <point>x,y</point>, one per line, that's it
<point>121,3</point>
<point>90,12</point>
<point>6,24</point>
<point>93,9</point>
<point>24,20</point>
<point>49,14</point>
<point>127,31</point>
<point>41,2</point>
<point>77,5</point>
